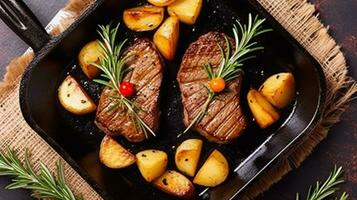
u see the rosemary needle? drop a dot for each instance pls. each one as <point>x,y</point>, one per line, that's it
<point>44,184</point>
<point>329,187</point>
<point>231,64</point>
<point>113,66</point>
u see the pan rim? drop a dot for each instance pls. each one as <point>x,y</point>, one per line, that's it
<point>25,109</point>
<point>313,121</point>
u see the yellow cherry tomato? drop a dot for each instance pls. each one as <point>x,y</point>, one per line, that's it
<point>217,84</point>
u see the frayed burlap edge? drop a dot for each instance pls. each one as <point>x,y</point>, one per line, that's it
<point>17,66</point>
<point>296,16</point>
<point>16,133</point>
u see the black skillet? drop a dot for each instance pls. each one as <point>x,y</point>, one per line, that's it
<point>77,139</point>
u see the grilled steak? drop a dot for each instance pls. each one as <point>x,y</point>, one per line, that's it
<point>146,75</point>
<point>224,120</point>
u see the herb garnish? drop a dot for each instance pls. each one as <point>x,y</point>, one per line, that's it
<point>327,188</point>
<point>113,65</point>
<point>231,64</point>
<point>44,185</point>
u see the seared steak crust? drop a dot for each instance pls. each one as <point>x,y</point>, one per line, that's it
<point>146,75</point>
<point>224,120</point>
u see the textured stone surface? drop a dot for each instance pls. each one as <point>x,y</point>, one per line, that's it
<point>340,147</point>
<point>12,46</point>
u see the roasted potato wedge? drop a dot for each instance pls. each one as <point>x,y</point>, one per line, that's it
<point>90,53</point>
<point>166,37</point>
<point>113,155</point>
<point>73,98</point>
<point>176,184</point>
<point>151,163</point>
<point>263,112</point>
<point>187,156</point>
<point>214,171</point>
<point>143,18</point>
<point>186,10</point>
<point>279,89</point>
<point>161,2</point>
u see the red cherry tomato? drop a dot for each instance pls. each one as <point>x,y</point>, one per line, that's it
<point>127,89</point>
<point>217,84</point>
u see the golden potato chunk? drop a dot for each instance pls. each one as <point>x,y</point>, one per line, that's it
<point>176,184</point>
<point>113,155</point>
<point>166,37</point>
<point>263,112</point>
<point>161,2</point>
<point>90,53</point>
<point>279,89</point>
<point>214,171</point>
<point>187,156</point>
<point>143,18</point>
<point>73,98</point>
<point>186,10</point>
<point>151,163</point>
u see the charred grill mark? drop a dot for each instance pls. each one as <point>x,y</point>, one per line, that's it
<point>146,75</point>
<point>224,120</point>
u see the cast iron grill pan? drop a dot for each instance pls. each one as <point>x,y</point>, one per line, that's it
<point>77,138</point>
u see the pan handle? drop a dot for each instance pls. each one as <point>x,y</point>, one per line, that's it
<point>24,23</point>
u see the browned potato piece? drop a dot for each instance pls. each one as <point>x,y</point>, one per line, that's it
<point>186,10</point>
<point>161,2</point>
<point>73,98</point>
<point>279,89</point>
<point>151,163</point>
<point>143,18</point>
<point>166,37</point>
<point>176,184</point>
<point>263,112</point>
<point>187,156</point>
<point>214,171</point>
<point>113,155</point>
<point>90,53</point>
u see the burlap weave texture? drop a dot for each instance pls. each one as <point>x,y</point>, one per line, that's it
<point>296,16</point>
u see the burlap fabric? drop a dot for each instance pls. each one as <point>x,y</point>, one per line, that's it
<point>297,16</point>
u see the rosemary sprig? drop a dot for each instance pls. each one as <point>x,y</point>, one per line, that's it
<point>231,64</point>
<point>113,65</point>
<point>44,184</point>
<point>203,111</point>
<point>329,187</point>
<point>344,196</point>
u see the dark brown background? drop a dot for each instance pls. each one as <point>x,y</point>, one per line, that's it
<point>339,148</point>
